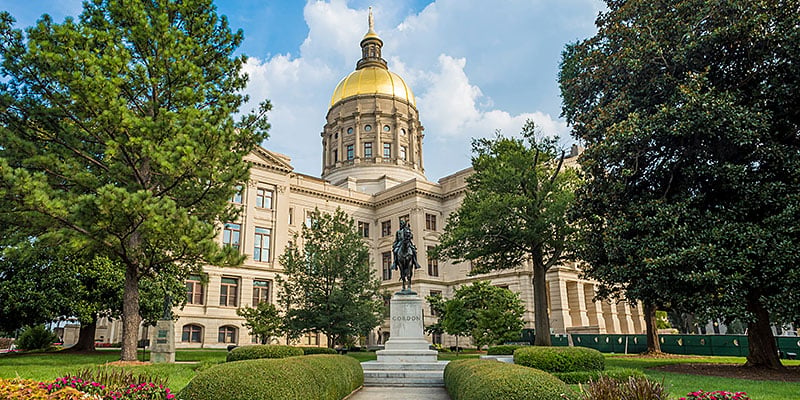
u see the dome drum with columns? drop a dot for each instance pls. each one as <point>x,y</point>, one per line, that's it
<point>373,138</point>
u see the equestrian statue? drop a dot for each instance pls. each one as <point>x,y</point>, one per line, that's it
<point>405,255</point>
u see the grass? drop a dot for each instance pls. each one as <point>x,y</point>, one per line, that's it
<point>681,384</point>
<point>48,366</point>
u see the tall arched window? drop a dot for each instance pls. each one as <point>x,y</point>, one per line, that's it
<point>192,334</point>
<point>227,334</point>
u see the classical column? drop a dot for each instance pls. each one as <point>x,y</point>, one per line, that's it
<point>636,317</point>
<point>580,304</point>
<point>624,316</point>
<point>358,151</point>
<point>610,316</point>
<point>559,306</point>
<point>594,309</point>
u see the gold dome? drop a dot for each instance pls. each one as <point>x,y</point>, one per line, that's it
<point>373,80</point>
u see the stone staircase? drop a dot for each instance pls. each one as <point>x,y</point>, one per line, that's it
<point>421,374</point>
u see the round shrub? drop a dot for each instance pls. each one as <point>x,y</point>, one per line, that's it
<point>476,379</point>
<point>560,359</point>
<point>314,377</point>
<point>263,351</point>
<point>617,374</point>
<point>503,350</point>
<point>318,350</point>
<point>36,338</point>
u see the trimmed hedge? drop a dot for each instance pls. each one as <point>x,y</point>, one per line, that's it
<point>503,350</point>
<point>617,374</point>
<point>560,359</point>
<point>314,377</point>
<point>318,350</point>
<point>476,379</point>
<point>262,351</point>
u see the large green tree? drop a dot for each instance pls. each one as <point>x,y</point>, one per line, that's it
<point>689,112</point>
<point>263,321</point>
<point>118,135</point>
<point>494,314</point>
<point>514,213</point>
<point>327,283</point>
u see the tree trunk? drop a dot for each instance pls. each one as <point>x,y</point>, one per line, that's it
<point>458,349</point>
<point>85,337</point>
<point>762,346</point>
<point>542,320</point>
<point>653,346</point>
<point>130,313</point>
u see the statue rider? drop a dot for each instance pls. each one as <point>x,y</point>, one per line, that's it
<point>404,231</point>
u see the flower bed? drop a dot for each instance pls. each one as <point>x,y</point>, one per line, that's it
<point>717,395</point>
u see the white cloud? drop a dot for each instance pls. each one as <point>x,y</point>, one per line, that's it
<point>474,67</point>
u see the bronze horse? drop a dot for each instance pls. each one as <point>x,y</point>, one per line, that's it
<point>405,259</point>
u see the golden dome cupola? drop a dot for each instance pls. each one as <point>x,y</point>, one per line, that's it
<point>373,138</point>
<point>371,48</point>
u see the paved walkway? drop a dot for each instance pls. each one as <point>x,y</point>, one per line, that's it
<point>403,392</point>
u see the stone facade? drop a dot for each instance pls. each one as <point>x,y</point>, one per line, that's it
<point>377,189</point>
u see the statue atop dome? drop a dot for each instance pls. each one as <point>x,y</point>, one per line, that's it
<point>371,48</point>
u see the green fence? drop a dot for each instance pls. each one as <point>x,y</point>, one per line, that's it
<point>704,345</point>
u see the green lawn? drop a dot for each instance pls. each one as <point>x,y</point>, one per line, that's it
<point>48,366</point>
<point>681,384</point>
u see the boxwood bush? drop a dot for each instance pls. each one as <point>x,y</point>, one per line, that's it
<point>318,350</point>
<point>313,377</point>
<point>503,350</point>
<point>617,374</point>
<point>262,351</point>
<point>560,359</point>
<point>476,379</point>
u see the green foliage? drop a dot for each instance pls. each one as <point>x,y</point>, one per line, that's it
<point>119,139</point>
<point>662,322</point>
<point>513,212</point>
<point>327,285</point>
<point>117,379</point>
<point>323,377</point>
<point>491,315</point>
<point>560,359</point>
<point>491,380</point>
<point>36,337</point>
<point>263,351</point>
<point>318,350</point>
<point>503,350</point>
<point>638,388</point>
<point>693,160</point>
<point>619,374</point>
<point>264,321</point>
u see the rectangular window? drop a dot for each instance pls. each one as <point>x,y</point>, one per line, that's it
<point>386,228</point>
<point>435,293</point>
<point>309,220</point>
<point>291,216</point>
<point>237,197</point>
<point>261,244</point>
<point>264,198</point>
<point>363,228</point>
<point>228,292</point>
<point>335,156</point>
<point>350,154</point>
<point>402,152</point>
<point>368,150</point>
<point>433,264</point>
<point>194,290</point>
<point>231,234</point>
<point>386,262</point>
<point>430,222</point>
<point>387,150</point>
<point>260,292</point>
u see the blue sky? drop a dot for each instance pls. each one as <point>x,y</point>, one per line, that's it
<point>475,66</point>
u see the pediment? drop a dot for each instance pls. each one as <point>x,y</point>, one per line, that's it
<point>269,159</point>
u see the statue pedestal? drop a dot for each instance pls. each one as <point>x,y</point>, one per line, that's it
<point>406,359</point>
<point>162,344</point>
<point>407,333</point>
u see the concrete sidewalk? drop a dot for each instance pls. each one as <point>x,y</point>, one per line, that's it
<point>400,392</point>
